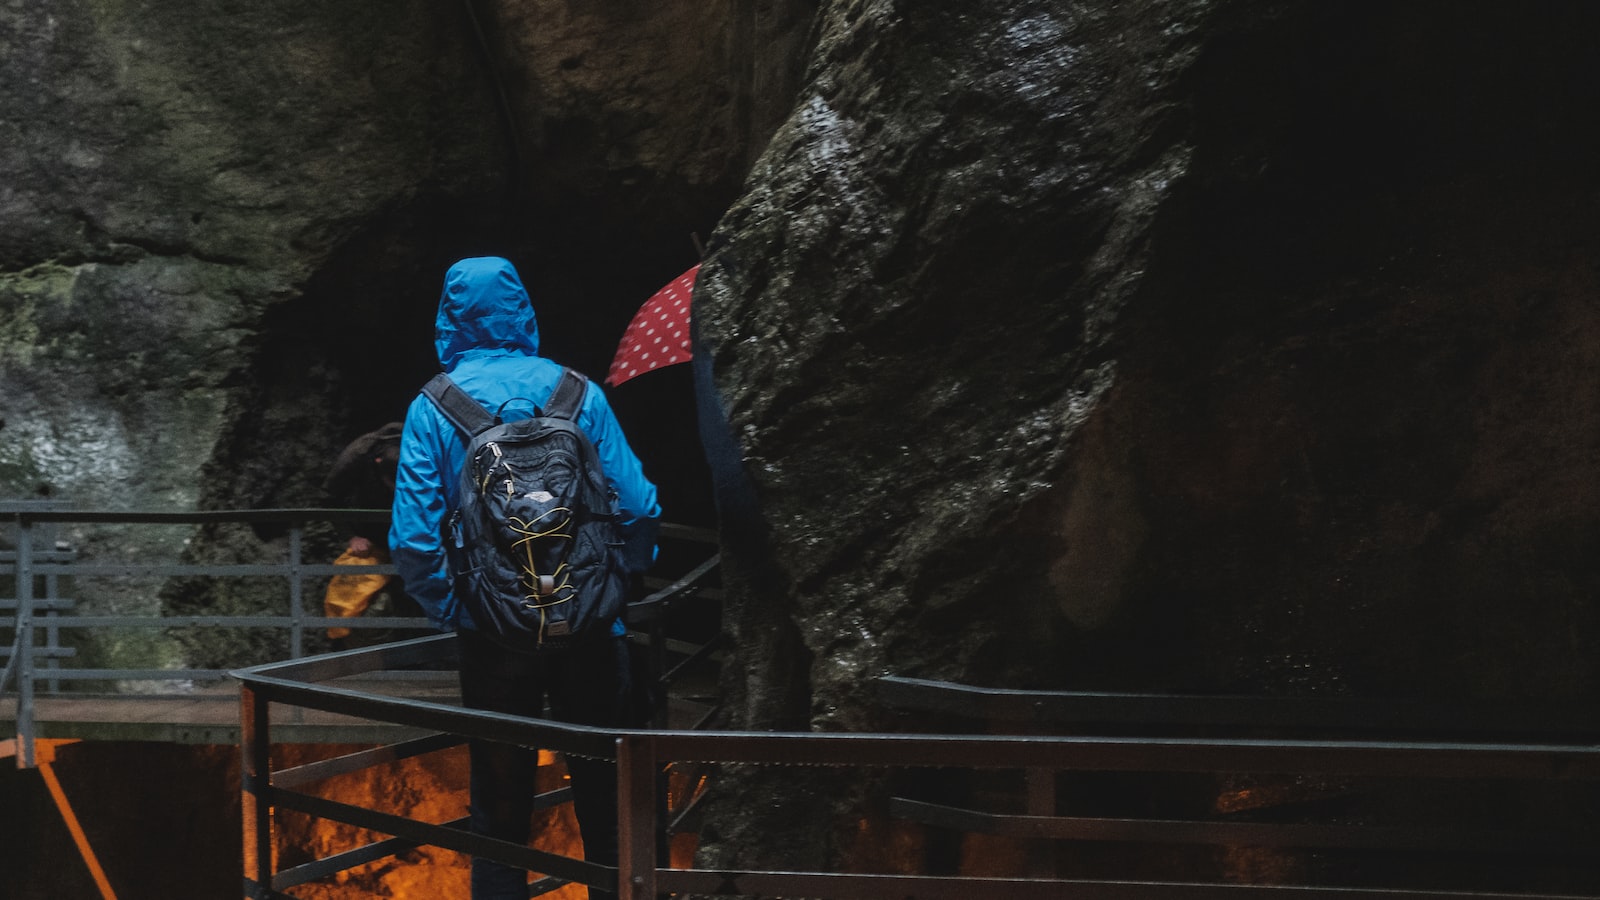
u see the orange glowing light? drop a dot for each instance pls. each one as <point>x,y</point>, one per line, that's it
<point>430,788</point>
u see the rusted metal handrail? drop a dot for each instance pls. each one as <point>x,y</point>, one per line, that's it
<point>640,755</point>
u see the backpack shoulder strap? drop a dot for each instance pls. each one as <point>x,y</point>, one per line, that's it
<point>463,411</point>
<point>567,399</point>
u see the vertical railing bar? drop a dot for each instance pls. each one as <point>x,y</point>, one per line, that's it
<point>52,631</point>
<point>255,783</point>
<point>658,666</point>
<point>636,817</point>
<point>1041,802</point>
<point>297,611</point>
<point>25,729</point>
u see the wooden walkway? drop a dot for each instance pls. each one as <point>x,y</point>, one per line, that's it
<point>210,715</point>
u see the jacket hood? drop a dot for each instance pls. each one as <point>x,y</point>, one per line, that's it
<point>484,307</point>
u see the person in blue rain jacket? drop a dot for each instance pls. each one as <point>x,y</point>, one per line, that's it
<point>488,342</point>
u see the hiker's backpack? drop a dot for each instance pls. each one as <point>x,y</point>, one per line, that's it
<point>533,544</point>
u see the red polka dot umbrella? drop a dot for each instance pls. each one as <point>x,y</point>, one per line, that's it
<point>659,333</point>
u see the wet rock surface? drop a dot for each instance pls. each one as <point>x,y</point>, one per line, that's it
<point>1122,358</point>
<point>1217,348</point>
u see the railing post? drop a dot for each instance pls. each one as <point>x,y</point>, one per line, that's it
<point>658,668</point>
<point>636,817</point>
<point>52,629</point>
<point>25,729</point>
<point>297,612</point>
<point>255,783</point>
<point>1041,786</point>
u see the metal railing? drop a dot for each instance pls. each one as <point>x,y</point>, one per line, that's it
<point>40,612</point>
<point>32,613</point>
<point>641,755</point>
<point>1365,820</point>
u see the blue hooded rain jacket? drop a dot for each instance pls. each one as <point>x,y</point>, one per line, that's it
<point>488,342</point>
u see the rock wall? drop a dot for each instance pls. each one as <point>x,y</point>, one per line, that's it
<point>1178,346</point>
<point>221,214</point>
<point>222,230</point>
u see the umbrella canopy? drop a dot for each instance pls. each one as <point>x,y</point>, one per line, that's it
<point>659,333</point>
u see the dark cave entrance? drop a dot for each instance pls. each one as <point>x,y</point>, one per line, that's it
<point>351,351</point>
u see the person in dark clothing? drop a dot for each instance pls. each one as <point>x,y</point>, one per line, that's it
<point>488,341</point>
<point>363,478</point>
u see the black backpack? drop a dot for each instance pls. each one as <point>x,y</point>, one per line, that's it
<point>534,547</point>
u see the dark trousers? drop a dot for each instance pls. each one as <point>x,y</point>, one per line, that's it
<point>586,684</point>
